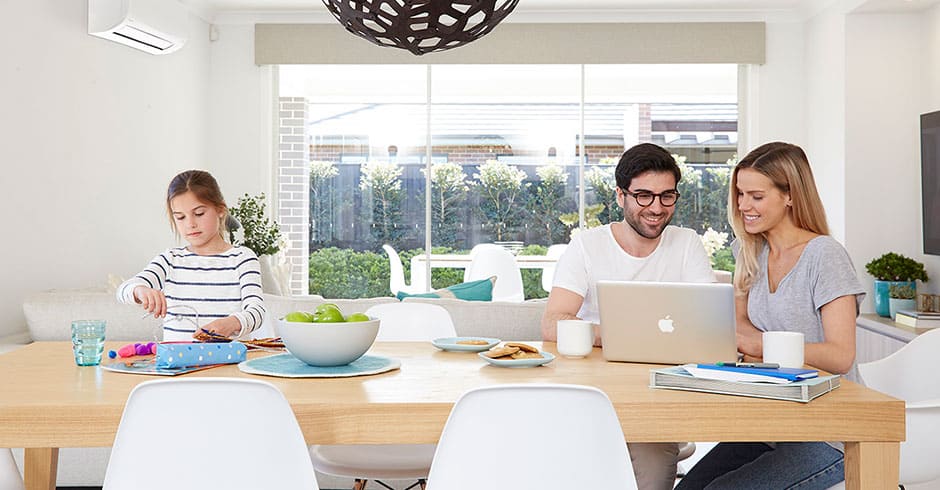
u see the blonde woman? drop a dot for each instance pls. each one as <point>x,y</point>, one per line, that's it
<point>790,275</point>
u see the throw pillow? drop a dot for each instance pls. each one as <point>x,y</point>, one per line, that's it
<point>481,290</point>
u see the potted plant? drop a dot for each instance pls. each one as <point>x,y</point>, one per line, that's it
<point>892,268</point>
<point>900,297</point>
<point>263,238</point>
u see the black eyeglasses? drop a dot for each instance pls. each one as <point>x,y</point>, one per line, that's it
<point>645,198</point>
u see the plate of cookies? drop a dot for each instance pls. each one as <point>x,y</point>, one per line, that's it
<point>465,344</point>
<point>516,354</point>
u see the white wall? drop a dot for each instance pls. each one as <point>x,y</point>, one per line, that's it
<point>882,136</point>
<point>779,88</point>
<point>90,134</point>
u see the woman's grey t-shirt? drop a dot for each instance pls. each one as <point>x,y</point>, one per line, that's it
<point>823,273</point>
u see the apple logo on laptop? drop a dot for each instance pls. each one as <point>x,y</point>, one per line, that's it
<point>665,325</point>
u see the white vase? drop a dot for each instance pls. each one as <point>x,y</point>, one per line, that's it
<point>275,274</point>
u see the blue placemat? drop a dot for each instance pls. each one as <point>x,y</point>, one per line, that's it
<point>288,366</point>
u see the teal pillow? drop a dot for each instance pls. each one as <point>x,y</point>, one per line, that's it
<point>481,290</point>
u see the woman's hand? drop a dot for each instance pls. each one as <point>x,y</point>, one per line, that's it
<point>228,327</point>
<point>151,300</point>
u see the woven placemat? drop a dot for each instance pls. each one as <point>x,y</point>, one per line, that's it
<point>288,366</point>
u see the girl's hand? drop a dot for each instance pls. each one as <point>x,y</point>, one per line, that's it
<point>151,300</point>
<point>228,326</point>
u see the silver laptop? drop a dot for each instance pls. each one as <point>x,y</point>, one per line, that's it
<point>667,322</point>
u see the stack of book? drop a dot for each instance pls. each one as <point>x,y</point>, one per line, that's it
<point>780,384</point>
<point>918,319</point>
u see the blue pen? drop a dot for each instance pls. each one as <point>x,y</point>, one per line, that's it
<point>757,365</point>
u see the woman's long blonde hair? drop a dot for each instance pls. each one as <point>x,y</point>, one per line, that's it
<point>788,168</point>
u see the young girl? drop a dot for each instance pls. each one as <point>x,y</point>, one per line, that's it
<point>208,285</point>
<point>790,275</point>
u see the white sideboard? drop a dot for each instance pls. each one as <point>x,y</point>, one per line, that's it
<point>878,337</point>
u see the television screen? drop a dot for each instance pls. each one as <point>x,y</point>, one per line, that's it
<point>930,180</point>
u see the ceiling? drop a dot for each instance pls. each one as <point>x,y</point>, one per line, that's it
<point>234,11</point>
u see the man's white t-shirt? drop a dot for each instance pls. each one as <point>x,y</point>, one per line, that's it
<point>594,255</point>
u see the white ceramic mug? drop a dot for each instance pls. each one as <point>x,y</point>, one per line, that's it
<point>575,338</point>
<point>784,348</point>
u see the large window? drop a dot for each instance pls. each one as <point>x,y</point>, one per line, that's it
<point>522,155</point>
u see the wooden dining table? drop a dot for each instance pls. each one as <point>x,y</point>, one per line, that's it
<point>47,402</point>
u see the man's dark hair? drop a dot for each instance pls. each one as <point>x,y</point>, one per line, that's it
<point>645,157</point>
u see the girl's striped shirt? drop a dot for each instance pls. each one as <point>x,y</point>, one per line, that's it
<point>202,288</point>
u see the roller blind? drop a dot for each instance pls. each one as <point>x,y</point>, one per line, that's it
<point>512,43</point>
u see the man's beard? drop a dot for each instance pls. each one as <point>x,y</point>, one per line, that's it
<point>639,227</point>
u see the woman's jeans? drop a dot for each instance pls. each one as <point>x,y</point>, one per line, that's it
<point>756,465</point>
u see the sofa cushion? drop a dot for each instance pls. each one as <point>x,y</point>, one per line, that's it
<point>49,315</point>
<point>504,320</point>
<point>481,290</point>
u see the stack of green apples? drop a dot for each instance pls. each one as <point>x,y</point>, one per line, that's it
<point>325,313</point>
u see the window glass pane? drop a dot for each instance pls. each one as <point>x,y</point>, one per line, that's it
<point>505,162</point>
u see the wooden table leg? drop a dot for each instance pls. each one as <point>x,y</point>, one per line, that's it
<point>40,466</point>
<point>872,465</point>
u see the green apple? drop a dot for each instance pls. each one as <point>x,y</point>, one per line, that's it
<point>358,317</point>
<point>299,316</point>
<point>328,313</point>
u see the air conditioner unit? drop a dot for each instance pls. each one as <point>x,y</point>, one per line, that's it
<point>153,26</point>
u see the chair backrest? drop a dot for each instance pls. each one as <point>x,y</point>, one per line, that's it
<point>194,433</point>
<point>497,261</point>
<point>548,273</point>
<point>412,322</point>
<point>473,253</point>
<point>908,374</point>
<point>396,281</point>
<point>10,478</point>
<point>543,436</point>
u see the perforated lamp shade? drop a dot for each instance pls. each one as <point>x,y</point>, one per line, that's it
<point>420,26</point>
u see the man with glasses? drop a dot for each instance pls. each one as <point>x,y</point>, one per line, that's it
<point>642,247</point>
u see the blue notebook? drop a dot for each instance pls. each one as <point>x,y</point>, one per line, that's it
<point>790,374</point>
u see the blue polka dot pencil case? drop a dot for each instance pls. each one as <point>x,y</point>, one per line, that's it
<point>185,354</point>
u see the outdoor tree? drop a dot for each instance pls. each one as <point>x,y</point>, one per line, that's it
<point>448,191</point>
<point>501,189</point>
<point>547,202</point>
<point>600,178</point>
<point>381,186</point>
<point>321,199</point>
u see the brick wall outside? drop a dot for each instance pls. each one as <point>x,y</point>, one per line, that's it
<point>293,184</point>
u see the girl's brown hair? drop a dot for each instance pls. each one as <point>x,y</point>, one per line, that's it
<point>204,186</point>
<point>788,168</point>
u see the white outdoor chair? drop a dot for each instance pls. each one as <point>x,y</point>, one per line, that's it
<point>195,433</point>
<point>473,253</point>
<point>909,374</point>
<point>401,322</point>
<point>547,436</point>
<point>548,273</point>
<point>10,478</point>
<point>497,261</point>
<point>396,278</point>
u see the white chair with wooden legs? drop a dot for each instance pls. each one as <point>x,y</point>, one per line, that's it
<point>400,322</point>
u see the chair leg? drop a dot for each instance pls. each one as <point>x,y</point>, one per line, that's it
<point>380,482</point>
<point>421,482</point>
<point>360,484</point>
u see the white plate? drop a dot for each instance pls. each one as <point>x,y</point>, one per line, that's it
<point>450,343</point>
<point>519,363</point>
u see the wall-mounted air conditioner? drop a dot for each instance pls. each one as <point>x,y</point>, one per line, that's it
<point>154,26</point>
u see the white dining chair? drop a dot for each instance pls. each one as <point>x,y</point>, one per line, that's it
<point>396,278</point>
<point>10,478</point>
<point>548,273</point>
<point>400,322</point>
<point>544,436</point>
<point>497,261</point>
<point>196,433</point>
<point>473,253</point>
<point>909,374</point>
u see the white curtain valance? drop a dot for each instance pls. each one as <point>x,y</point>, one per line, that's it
<point>512,43</point>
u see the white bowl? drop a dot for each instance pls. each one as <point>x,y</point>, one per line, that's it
<point>328,344</point>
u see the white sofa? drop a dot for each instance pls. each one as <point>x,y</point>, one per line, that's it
<point>49,313</point>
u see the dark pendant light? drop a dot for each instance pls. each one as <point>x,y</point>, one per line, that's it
<point>420,26</point>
